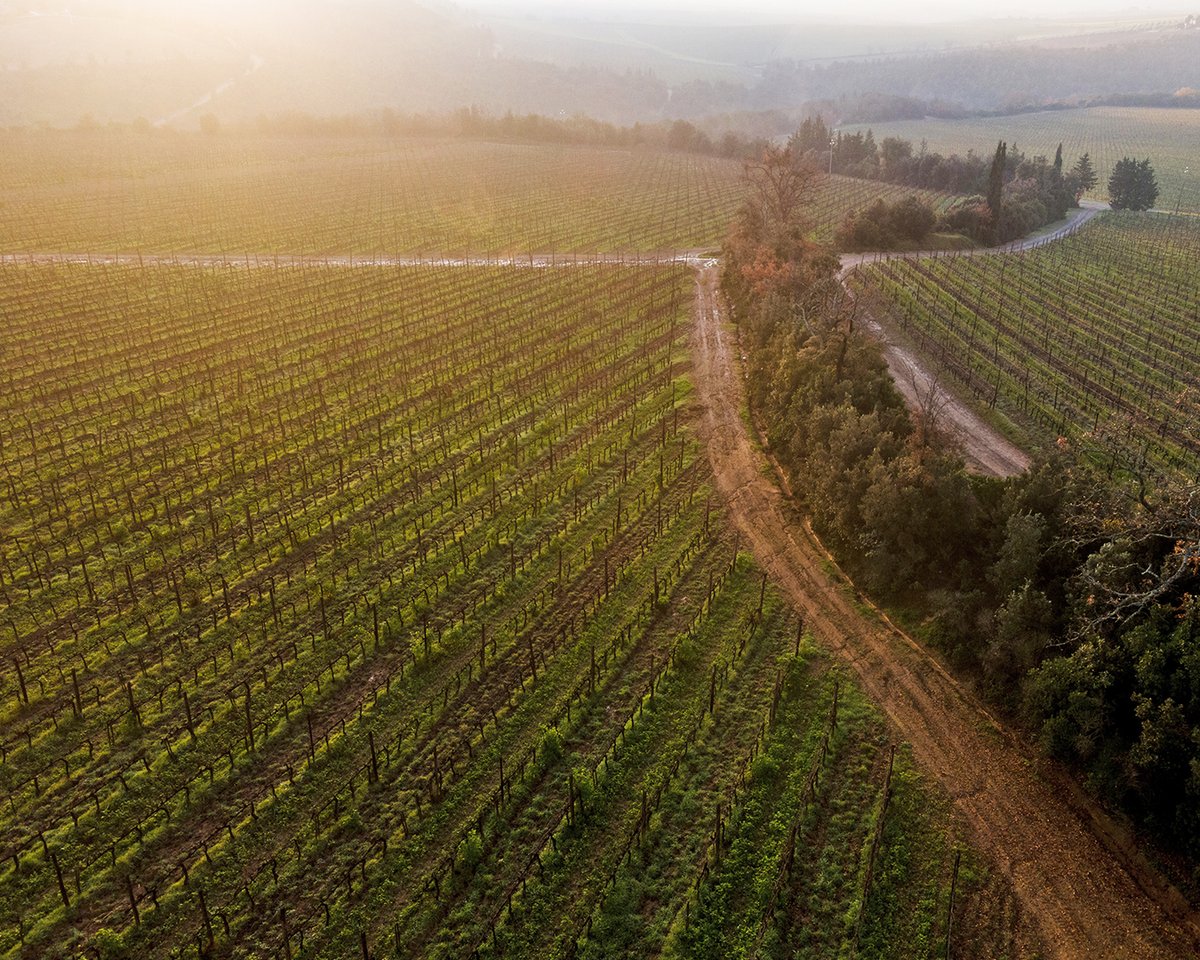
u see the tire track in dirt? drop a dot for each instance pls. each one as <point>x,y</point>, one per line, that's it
<point>1076,872</point>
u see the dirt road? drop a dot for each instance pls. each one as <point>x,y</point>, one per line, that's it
<point>254,64</point>
<point>1075,219</point>
<point>547,261</point>
<point>985,449</point>
<point>1075,873</point>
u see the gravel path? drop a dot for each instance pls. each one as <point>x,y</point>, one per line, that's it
<point>986,450</point>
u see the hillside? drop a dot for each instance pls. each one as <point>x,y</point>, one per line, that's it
<point>120,60</point>
<point>160,193</point>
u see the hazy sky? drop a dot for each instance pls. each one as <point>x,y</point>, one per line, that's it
<point>875,10</point>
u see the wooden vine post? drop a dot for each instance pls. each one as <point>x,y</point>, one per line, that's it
<point>875,841</point>
<point>950,903</point>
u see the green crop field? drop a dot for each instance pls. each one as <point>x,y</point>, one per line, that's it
<point>388,611</point>
<point>168,193</point>
<point>1169,137</point>
<point>1093,338</point>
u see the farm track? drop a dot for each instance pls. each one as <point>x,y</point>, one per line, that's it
<point>254,64</point>
<point>692,258</point>
<point>1073,222</point>
<point>986,450</point>
<point>1075,871</point>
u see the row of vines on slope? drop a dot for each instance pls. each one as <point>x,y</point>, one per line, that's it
<point>368,196</point>
<point>1092,339</point>
<point>378,611</point>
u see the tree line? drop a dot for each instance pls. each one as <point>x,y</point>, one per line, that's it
<point>982,79</point>
<point>473,123</point>
<point>1003,199</point>
<point>1068,598</point>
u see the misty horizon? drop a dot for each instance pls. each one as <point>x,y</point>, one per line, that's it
<point>867,12</point>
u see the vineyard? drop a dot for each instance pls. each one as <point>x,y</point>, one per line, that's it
<point>388,612</point>
<point>163,193</point>
<point>1092,338</point>
<point>1167,136</point>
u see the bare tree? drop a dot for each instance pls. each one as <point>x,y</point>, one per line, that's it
<point>931,404</point>
<point>781,186</point>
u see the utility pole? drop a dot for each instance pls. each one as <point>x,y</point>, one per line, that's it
<point>832,141</point>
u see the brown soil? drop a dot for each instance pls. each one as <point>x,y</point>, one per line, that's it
<point>1076,873</point>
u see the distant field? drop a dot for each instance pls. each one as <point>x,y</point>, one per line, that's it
<point>1093,338</point>
<point>228,194</point>
<point>1170,138</point>
<point>393,607</point>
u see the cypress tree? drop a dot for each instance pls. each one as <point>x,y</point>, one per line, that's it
<point>1085,176</point>
<point>995,193</point>
<point>1147,185</point>
<point>1120,184</point>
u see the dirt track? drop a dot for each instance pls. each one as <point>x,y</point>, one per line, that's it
<point>1076,219</point>
<point>291,261</point>
<point>1076,874</point>
<point>985,449</point>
